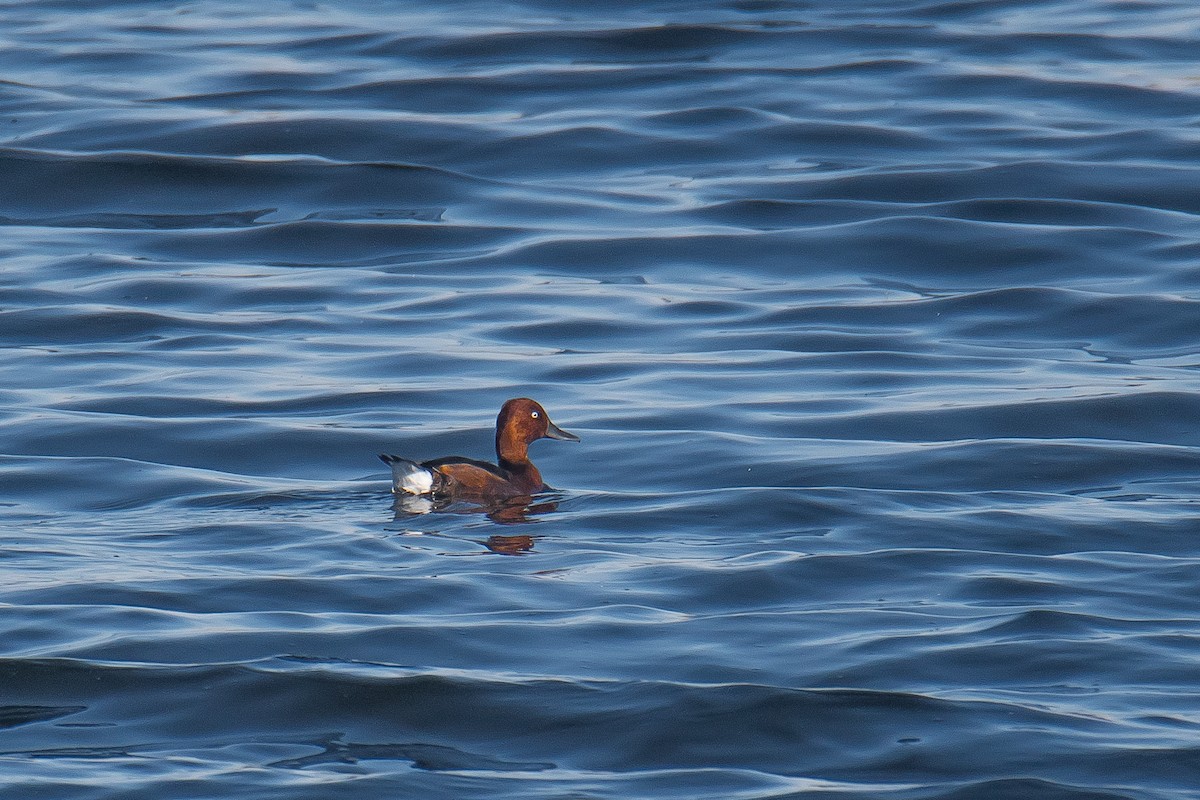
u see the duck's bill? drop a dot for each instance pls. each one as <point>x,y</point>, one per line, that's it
<point>555,432</point>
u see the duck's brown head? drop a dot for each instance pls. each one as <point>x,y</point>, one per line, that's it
<point>520,422</point>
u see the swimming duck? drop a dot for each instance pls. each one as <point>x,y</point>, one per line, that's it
<point>521,421</point>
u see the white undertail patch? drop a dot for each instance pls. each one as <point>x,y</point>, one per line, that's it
<point>410,477</point>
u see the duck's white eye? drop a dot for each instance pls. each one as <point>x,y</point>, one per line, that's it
<point>534,414</point>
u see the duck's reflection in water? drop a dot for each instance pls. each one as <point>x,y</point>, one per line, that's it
<point>514,511</point>
<point>509,545</point>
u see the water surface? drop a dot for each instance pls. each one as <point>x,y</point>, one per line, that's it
<point>879,321</point>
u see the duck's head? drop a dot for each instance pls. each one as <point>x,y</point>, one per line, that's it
<point>524,420</point>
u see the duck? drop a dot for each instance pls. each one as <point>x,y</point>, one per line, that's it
<point>521,422</point>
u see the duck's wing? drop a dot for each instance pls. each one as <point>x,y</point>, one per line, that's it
<point>471,479</point>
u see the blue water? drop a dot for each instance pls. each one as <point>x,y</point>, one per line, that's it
<point>879,321</point>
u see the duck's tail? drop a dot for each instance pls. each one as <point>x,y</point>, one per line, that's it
<point>409,477</point>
